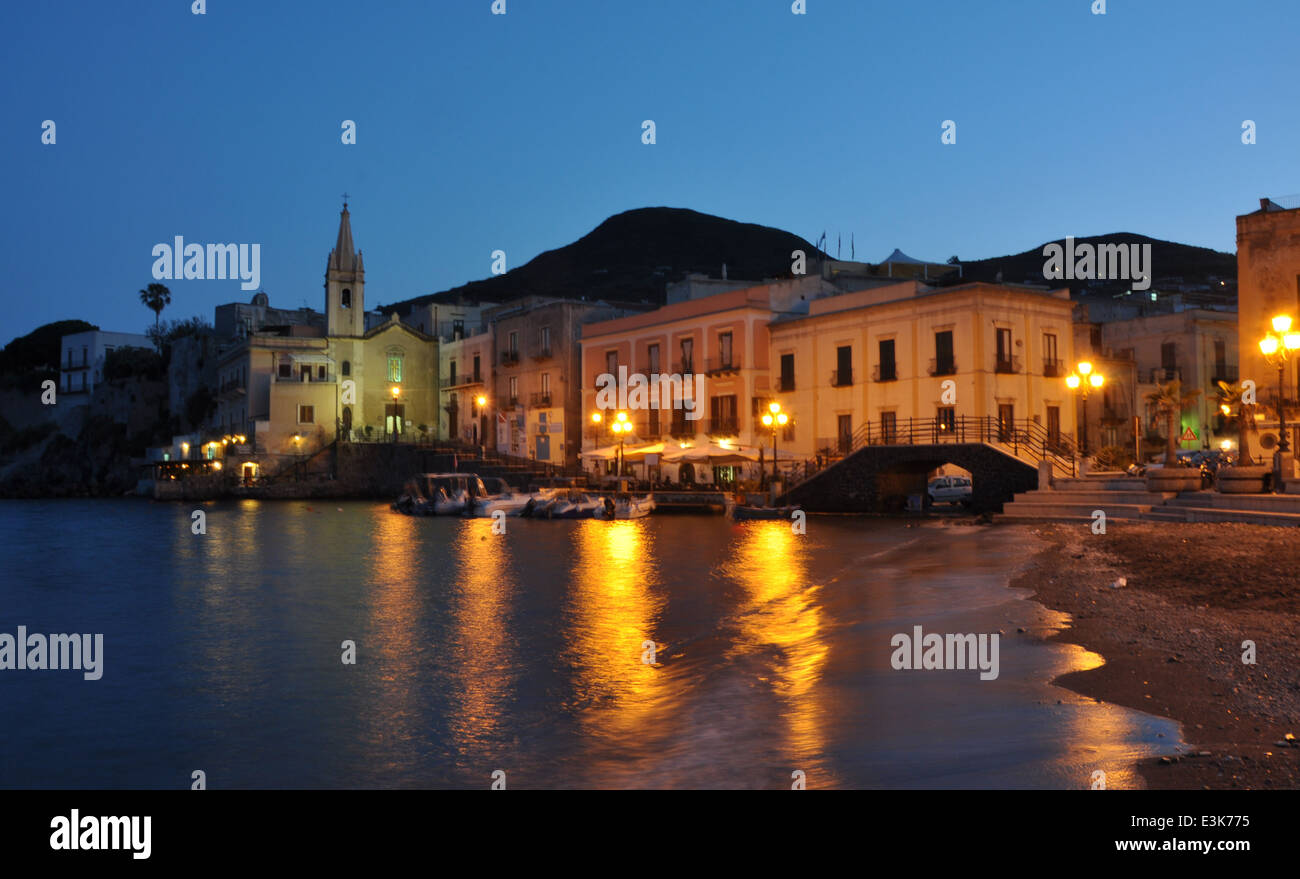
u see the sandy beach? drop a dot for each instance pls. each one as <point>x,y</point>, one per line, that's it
<point>1172,636</point>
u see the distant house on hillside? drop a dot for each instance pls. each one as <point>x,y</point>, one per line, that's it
<point>81,363</point>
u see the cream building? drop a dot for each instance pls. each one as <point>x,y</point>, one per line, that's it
<point>292,391</point>
<point>465,368</point>
<point>884,356</point>
<point>1198,347</point>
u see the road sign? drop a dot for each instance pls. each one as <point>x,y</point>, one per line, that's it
<point>1189,436</point>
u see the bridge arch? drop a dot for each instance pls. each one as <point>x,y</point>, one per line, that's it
<point>867,480</point>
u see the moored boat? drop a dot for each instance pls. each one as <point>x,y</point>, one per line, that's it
<point>440,494</point>
<point>745,511</point>
<point>626,508</point>
<point>445,504</point>
<point>573,506</point>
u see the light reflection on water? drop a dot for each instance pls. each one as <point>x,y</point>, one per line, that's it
<point>480,649</point>
<point>782,616</point>
<point>523,652</point>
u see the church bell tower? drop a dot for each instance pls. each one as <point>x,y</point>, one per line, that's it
<point>345,285</point>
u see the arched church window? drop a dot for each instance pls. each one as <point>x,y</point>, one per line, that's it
<point>347,367</point>
<point>346,300</point>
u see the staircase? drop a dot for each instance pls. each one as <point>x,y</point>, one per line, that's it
<point>1075,500</point>
<point>1210,506</point>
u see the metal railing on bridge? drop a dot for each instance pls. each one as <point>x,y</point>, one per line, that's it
<point>1024,438</point>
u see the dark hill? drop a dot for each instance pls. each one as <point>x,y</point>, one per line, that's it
<point>1169,261</point>
<point>631,256</point>
<point>39,349</point>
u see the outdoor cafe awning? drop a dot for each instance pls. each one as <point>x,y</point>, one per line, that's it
<point>712,453</point>
<point>720,455</point>
<point>630,453</point>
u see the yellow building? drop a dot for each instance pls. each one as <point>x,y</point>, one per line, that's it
<point>292,390</point>
<point>895,355</point>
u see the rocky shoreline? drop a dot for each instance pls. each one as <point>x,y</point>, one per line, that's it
<point>1169,606</point>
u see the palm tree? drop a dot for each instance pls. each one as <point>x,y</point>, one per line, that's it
<point>156,297</point>
<point>1170,400</point>
<point>1231,395</point>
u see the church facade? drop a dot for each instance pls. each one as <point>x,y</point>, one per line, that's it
<point>291,390</point>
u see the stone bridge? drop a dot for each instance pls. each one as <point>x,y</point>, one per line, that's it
<point>878,478</point>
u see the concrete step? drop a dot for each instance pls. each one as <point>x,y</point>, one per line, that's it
<point>1211,514</point>
<point>1268,503</point>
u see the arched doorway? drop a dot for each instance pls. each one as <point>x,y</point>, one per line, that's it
<point>347,420</point>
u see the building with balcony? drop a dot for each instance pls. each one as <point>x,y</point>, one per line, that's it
<point>465,371</point>
<point>81,361</point>
<point>1198,347</point>
<point>536,397</point>
<point>716,343</point>
<point>907,350</point>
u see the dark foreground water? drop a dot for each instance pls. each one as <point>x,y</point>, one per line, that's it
<point>523,653</point>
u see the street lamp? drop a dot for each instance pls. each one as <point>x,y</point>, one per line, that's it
<point>1081,380</point>
<point>621,427</point>
<point>397,392</point>
<point>481,402</point>
<point>1276,348</point>
<point>774,418</point>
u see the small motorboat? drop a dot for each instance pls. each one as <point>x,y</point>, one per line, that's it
<point>510,504</point>
<point>450,505</point>
<point>574,506</point>
<point>626,508</point>
<point>440,494</point>
<point>739,512</point>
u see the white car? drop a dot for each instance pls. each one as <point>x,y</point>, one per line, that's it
<point>949,490</point>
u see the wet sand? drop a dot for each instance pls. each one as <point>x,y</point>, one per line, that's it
<point>1172,638</point>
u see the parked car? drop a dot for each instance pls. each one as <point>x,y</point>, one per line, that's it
<point>950,490</point>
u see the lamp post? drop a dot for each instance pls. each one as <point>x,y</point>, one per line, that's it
<point>774,418</point>
<point>596,419</point>
<point>481,402</point>
<point>1276,348</point>
<point>297,454</point>
<point>621,427</point>
<point>397,392</point>
<point>1080,381</point>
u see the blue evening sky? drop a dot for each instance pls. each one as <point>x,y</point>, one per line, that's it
<point>523,132</point>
